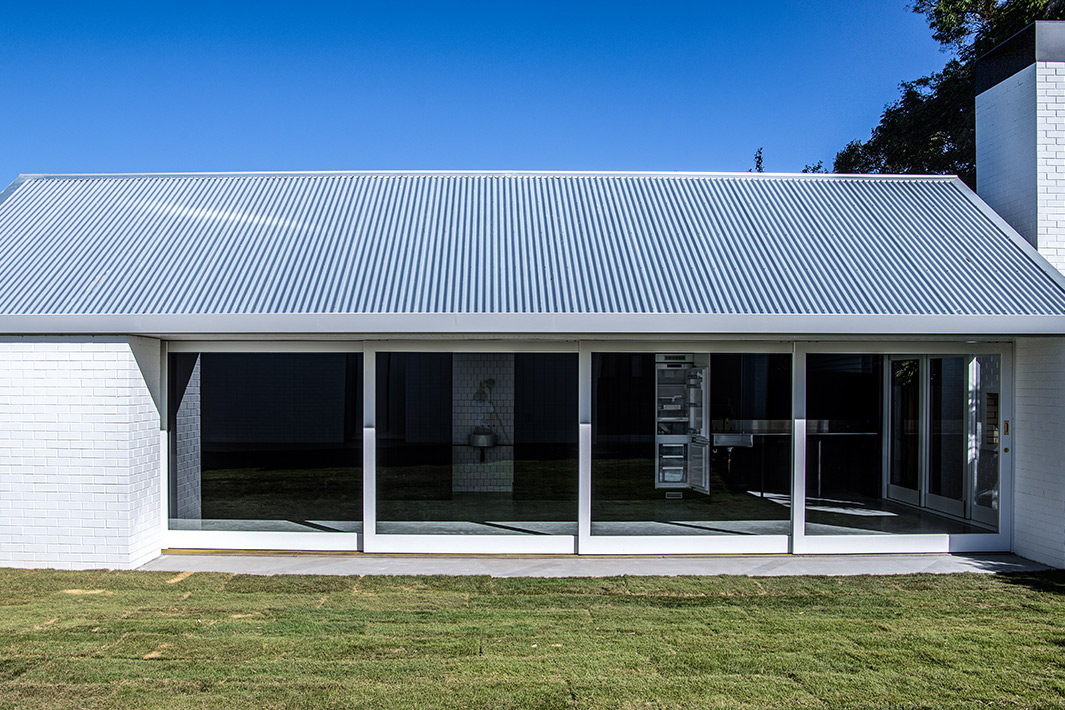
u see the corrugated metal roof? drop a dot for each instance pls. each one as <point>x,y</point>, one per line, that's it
<point>511,243</point>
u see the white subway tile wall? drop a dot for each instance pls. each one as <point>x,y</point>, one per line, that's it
<point>482,387</point>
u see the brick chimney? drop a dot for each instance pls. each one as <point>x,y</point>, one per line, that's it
<point>1020,135</point>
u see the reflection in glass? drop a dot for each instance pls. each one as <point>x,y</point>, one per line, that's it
<point>690,444</point>
<point>844,448</point>
<point>947,441</point>
<point>477,443</point>
<point>984,393</point>
<point>266,441</point>
<point>843,409</point>
<point>905,452</point>
<point>751,394</point>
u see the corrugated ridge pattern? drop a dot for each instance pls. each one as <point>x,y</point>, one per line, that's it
<point>508,243</point>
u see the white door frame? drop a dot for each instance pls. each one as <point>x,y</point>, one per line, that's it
<point>912,496</point>
<point>997,541</point>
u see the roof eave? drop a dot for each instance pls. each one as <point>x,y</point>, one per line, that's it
<point>545,325</point>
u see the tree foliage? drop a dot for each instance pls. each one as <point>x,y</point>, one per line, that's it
<point>931,127</point>
<point>973,27</point>
<point>758,168</point>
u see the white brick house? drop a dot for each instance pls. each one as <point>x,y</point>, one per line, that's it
<point>1020,134</point>
<point>544,362</point>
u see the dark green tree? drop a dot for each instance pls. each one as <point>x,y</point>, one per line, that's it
<point>931,127</point>
<point>757,162</point>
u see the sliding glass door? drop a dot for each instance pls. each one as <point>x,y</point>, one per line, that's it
<point>942,448</point>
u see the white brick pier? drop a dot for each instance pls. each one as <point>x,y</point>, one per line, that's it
<point>79,452</point>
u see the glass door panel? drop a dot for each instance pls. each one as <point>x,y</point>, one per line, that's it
<point>947,434</point>
<point>904,446</point>
<point>984,437</point>
<point>943,443</point>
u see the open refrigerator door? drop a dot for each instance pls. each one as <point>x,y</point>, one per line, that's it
<point>682,425</point>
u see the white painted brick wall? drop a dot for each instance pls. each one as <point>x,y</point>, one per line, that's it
<point>79,452</point>
<point>1039,450</point>
<point>188,505</point>
<point>1050,151</point>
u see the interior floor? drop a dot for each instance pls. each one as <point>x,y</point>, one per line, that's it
<point>847,514</point>
<point>251,525</point>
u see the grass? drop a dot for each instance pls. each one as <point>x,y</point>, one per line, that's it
<point>140,639</point>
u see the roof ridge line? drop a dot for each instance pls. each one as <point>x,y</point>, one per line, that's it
<point>483,173</point>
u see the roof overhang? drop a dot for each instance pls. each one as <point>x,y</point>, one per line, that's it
<point>532,324</point>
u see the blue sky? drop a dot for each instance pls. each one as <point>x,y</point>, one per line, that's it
<point>107,87</point>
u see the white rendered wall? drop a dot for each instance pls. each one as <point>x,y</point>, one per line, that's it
<point>1006,150</point>
<point>79,452</point>
<point>1038,435</point>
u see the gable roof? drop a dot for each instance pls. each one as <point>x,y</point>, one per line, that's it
<point>515,252</point>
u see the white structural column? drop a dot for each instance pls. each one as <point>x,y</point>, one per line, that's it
<point>584,488</point>
<point>798,456</point>
<point>79,484</point>
<point>369,448</point>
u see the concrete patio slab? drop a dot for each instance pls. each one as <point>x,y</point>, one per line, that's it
<point>545,566</point>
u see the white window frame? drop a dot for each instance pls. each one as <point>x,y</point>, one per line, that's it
<point>374,541</point>
<point>315,541</point>
<point>670,544</point>
<point>583,542</point>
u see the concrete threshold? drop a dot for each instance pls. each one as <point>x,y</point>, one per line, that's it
<point>587,566</point>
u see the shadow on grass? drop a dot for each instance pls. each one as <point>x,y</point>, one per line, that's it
<point>1051,581</point>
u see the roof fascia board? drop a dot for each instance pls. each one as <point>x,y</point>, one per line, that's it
<point>534,324</point>
<point>1037,259</point>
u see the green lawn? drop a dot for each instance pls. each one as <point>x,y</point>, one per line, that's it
<point>139,639</point>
